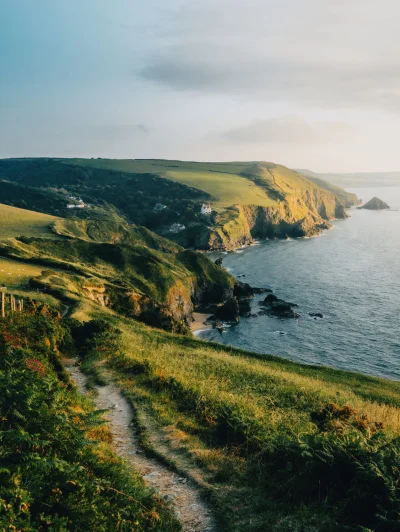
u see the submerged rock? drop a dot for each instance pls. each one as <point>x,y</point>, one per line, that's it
<point>243,290</point>
<point>316,314</point>
<point>279,307</point>
<point>261,290</point>
<point>375,204</point>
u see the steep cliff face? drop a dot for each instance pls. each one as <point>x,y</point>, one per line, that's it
<point>158,287</point>
<point>301,213</point>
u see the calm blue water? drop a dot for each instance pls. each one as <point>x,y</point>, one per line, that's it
<point>351,274</point>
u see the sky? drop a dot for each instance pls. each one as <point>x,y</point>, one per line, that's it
<point>306,83</point>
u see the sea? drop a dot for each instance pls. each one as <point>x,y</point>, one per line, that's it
<point>350,274</point>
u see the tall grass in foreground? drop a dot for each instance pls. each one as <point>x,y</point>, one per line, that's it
<point>302,445</point>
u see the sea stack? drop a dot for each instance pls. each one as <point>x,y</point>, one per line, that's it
<point>375,204</point>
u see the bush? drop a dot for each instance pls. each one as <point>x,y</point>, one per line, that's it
<point>54,473</point>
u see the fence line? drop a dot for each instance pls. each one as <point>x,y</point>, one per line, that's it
<point>16,305</point>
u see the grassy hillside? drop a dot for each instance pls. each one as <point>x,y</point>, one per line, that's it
<point>249,199</point>
<point>226,183</point>
<point>276,445</point>
<point>281,446</point>
<point>132,270</point>
<point>223,181</point>
<point>17,222</point>
<point>112,232</point>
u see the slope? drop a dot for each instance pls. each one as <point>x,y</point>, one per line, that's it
<point>16,222</point>
<point>249,199</point>
<point>280,446</point>
<point>135,272</point>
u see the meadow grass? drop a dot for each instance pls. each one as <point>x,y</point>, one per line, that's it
<point>16,222</point>
<point>15,274</point>
<point>225,189</point>
<point>255,384</point>
<point>221,180</point>
<point>229,411</point>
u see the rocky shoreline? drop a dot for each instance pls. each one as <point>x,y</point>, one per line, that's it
<point>238,305</point>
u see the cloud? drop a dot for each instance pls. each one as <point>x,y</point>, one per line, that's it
<point>325,54</point>
<point>292,130</point>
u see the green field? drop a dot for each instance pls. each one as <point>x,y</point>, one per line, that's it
<point>16,222</point>
<point>245,183</point>
<point>221,180</point>
<point>15,274</point>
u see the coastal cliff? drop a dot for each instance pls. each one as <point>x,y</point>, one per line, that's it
<point>247,199</point>
<point>301,213</point>
<point>142,276</point>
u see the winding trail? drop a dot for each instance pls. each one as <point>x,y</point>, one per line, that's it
<point>183,494</point>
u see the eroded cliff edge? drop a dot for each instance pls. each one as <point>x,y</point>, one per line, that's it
<point>299,214</point>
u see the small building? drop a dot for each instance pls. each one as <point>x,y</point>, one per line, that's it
<point>73,206</point>
<point>158,207</point>
<point>206,208</point>
<point>176,228</point>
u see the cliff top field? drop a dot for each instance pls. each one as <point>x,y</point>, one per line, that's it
<point>15,274</point>
<point>17,222</point>
<point>226,183</point>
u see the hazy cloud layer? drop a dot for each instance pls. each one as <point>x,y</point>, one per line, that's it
<point>292,130</point>
<point>306,83</point>
<point>320,53</point>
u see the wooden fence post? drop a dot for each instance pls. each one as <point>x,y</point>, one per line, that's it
<point>3,301</point>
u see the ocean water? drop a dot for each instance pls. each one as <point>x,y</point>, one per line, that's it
<point>351,274</point>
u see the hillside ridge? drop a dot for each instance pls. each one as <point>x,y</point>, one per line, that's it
<point>283,202</point>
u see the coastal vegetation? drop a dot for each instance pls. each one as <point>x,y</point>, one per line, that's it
<point>22,222</point>
<point>249,200</point>
<point>58,471</point>
<point>281,446</point>
<point>273,445</point>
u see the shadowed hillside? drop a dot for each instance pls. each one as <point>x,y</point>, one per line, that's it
<point>248,199</point>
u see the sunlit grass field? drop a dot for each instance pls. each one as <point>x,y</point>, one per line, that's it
<point>221,180</point>
<point>269,390</point>
<point>15,274</point>
<point>16,222</point>
<point>225,410</point>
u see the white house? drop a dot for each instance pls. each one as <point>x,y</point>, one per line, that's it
<point>73,206</point>
<point>206,208</point>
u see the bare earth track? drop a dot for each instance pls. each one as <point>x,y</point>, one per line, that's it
<point>181,492</point>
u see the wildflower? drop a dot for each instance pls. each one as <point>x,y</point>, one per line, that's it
<point>35,366</point>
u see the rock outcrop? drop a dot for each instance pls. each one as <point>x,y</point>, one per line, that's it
<point>301,213</point>
<point>375,204</point>
<point>278,307</point>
